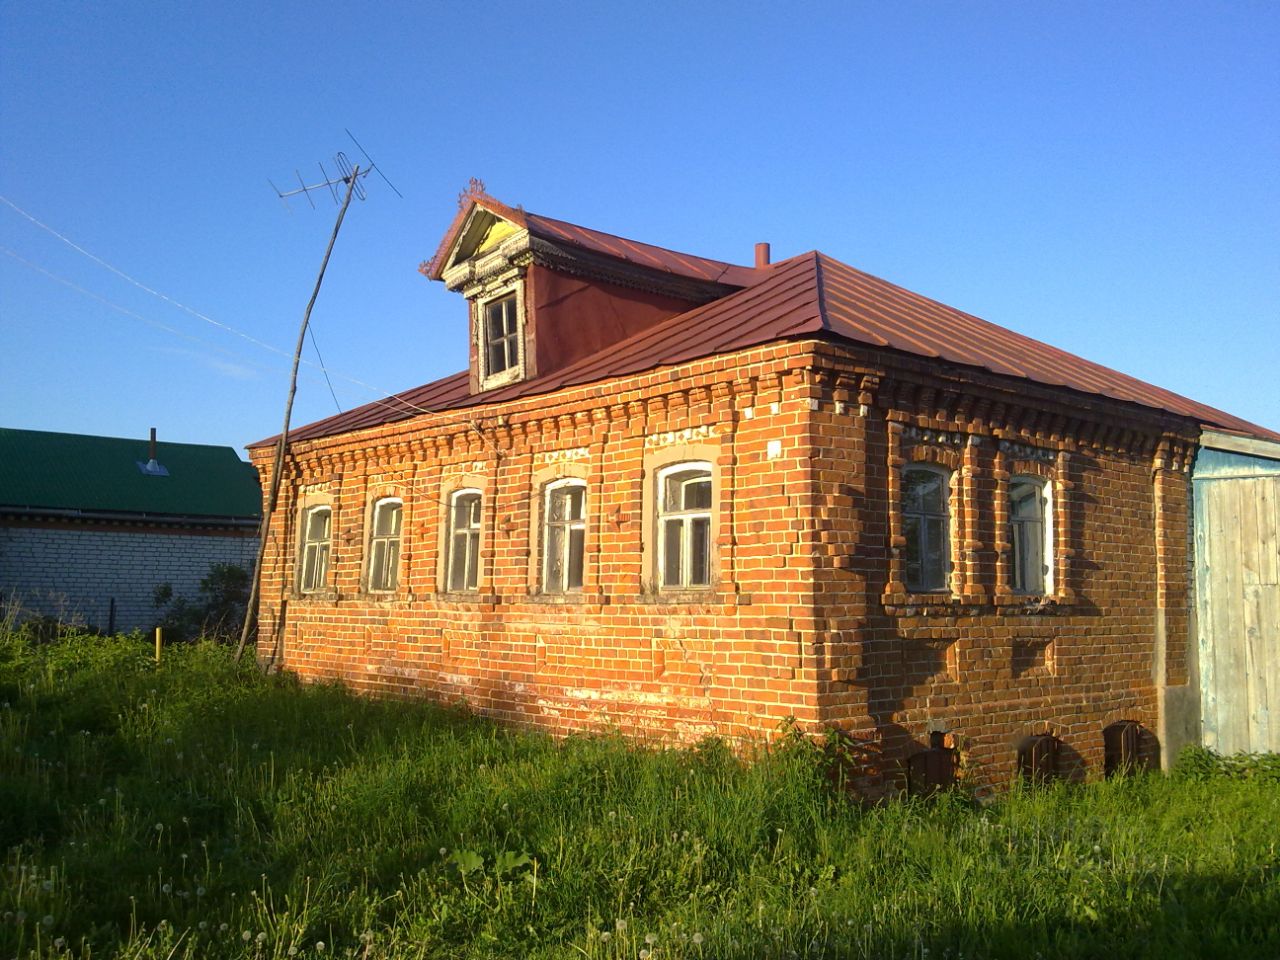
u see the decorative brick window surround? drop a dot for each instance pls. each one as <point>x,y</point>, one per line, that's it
<point>313,552</point>
<point>913,452</point>
<point>564,535</point>
<point>1030,536</point>
<point>684,511</point>
<point>926,527</point>
<point>383,571</point>
<point>1019,465</point>
<point>463,544</point>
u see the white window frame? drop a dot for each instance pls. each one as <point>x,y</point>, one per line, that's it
<point>313,554</point>
<point>382,573</point>
<point>1046,540</point>
<point>922,526</point>
<point>687,518</point>
<point>473,533</point>
<point>489,379</point>
<point>566,527</point>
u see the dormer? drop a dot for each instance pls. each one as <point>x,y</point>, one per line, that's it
<point>487,265</point>
<point>543,294</point>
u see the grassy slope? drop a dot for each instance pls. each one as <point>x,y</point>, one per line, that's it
<point>199,810</point>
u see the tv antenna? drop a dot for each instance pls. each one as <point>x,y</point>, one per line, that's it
<point>350,176</point>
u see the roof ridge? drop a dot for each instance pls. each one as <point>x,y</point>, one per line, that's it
<point>821,283</point>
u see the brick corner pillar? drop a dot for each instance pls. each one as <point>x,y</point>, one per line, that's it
<point>1173,661</point>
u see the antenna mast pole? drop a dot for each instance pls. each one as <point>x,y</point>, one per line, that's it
<point>283,443</point>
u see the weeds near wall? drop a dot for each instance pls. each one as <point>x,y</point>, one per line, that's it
<point>197,809</point>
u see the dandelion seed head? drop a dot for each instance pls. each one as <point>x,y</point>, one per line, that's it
<point>697,938</point>
<point>246,936</point>
<point>651,938</point>
<point>261,938</point>
<point>320,946</point>
<point>606,936</point>
<point>47,920</point>
<point>620,924</point>
<point>166,888</point>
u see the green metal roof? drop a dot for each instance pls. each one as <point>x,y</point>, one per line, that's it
<point>68,471</point>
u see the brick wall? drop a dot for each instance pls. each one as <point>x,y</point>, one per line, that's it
<point>73,572</point>
<point>808,617</point>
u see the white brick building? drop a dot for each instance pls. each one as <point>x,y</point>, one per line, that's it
<point>91,526</point>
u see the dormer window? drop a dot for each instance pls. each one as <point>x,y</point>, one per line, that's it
<point>499,335</point>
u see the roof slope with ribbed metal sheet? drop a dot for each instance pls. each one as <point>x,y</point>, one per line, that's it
<point>41,470</point>
<point>619,248</point>
<point>811,294</point>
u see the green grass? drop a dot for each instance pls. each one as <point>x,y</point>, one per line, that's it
<point>197,809</point>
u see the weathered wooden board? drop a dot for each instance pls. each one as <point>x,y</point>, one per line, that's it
<point>1237,540</point>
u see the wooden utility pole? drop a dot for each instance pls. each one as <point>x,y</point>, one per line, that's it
<point>283,443</point>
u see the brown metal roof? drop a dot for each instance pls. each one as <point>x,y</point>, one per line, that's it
<point>632,251</point>
<point>807,295</point>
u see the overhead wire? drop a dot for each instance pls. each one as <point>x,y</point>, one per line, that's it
<point>385,400</point>
<point>121,309</point>
<point>311,332</point>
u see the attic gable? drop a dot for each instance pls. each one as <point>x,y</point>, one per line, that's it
<point>485,244</point>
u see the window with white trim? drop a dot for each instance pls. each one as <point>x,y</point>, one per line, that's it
<point>926,526</point>
<point>313,562</point>
<point>1030,536</point>
<point>500,335</point>
<point>383,573</point>
<point>564,536</point>
<point>463,567</point>
<point>684,525</point>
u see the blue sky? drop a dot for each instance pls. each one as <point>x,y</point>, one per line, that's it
<point>1102,176</point>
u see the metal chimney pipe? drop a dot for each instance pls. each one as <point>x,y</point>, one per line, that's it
<point>151,455</point>
<point>762,255</point>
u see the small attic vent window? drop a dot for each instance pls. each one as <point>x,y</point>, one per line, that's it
<point>152,468</point>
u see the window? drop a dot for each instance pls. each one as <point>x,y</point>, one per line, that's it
<point>500,336</point>
<point>313,566</point>
<point>564,536</point>
<point>463,572</point>
<point>1030,534</point>
<point>927,528</point>
<point>384,546</point>
<point>684,525</point>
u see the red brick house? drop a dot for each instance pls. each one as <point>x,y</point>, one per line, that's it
<point>681,497</point>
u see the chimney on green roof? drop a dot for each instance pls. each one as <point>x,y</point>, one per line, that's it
<point>153,467</point>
